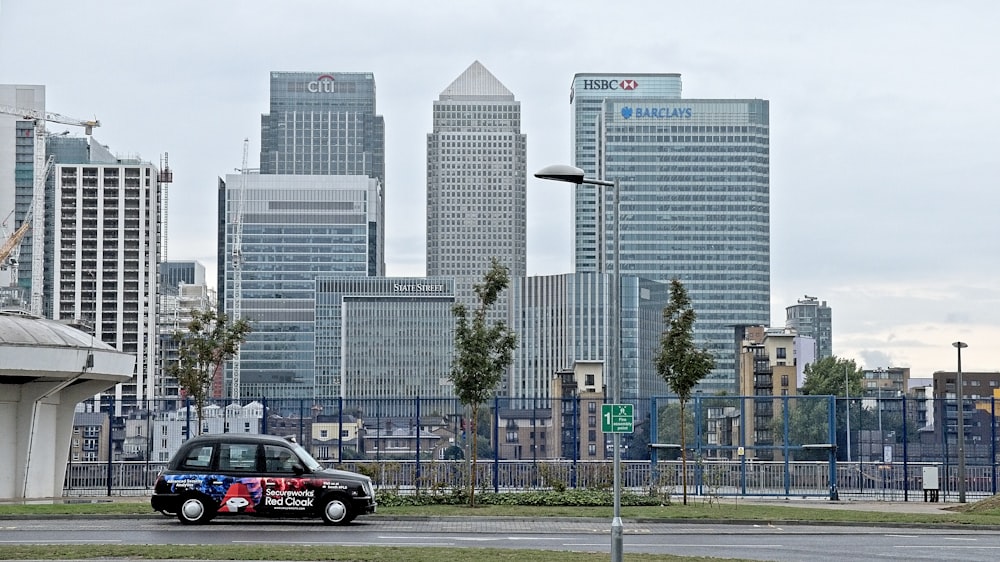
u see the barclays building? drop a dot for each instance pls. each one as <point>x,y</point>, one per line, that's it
<point>694,180</point>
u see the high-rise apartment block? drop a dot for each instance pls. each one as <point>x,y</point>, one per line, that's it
<point>694,189</point>
<point>105,228</point>
<point>476,168</point>
<point>812,318</point>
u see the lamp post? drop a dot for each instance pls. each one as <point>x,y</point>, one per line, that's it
<point>572,174</point>
<point>879,372</point>
<point>961,423</point>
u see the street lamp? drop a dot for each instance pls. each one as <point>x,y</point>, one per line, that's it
<point>961,423</point>
<point>572,174</point>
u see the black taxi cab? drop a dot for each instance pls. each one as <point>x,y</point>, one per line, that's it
<point>262,475</point>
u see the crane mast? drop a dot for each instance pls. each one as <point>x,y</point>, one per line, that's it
<point>237,256</point>
<point>38,190</point>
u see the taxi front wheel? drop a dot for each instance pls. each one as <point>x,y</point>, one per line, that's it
<point>195,510</point>
<point>337,512</point>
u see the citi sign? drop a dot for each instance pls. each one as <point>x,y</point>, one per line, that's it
<point>600,84</point>
<point>322,84</point>
<point>656,112</point>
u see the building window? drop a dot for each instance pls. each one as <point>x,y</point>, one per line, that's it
<point>592,450</point>
<point>323,433</point>
<point>591,421</point>
<point>780,353</point>
<point>592,407</point>
<point>784,380</point>
<point>589,380</point>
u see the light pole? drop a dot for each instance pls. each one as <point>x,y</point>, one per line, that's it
<point>572,174</point>
<point>960,395</point>
<point>881,436</point>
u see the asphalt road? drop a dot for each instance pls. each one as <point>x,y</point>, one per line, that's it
<point>748,541</point>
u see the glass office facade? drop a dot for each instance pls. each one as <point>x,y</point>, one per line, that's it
<point>295,230</point>
<point>323,123</point>
<point>379,338</point>
<point>694,187</point>
<point>562,319</point>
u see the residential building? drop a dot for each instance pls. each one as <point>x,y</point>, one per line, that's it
<point>812,318</point>
<point>476,187</point>
<point>91,437</point>
<point>524,434</point>
<point>105,249</point>
<point>577,396</point>
<point>767,373</point>
<point>693,184</point>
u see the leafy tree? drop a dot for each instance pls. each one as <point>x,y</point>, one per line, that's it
<point>210,340</point>
<point>679,362</point>
<point>482,353</point>
<point>831,375</point>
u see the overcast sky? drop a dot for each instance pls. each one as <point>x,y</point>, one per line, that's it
<point>884,115</point>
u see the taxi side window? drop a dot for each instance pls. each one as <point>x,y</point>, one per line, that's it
<point>238,457</point>
<point>198,458</point>
<point>280,460</point>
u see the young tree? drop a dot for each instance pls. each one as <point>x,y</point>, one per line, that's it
<point>678,361</point>
<point>482,353</point>
<point>210,340</point>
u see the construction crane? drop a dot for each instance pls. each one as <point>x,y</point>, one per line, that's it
<point>37,222</point>
<point>237,255</point>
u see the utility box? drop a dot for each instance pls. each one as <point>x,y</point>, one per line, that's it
<point>931,483</point>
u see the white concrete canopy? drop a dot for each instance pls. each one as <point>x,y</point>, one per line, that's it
<point>46,369</point>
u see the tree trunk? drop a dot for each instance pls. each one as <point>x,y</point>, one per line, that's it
<point>684,463</point>
<point>475,451</point>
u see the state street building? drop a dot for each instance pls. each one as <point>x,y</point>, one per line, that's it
<point>694,187</point>
<point>382,342</point>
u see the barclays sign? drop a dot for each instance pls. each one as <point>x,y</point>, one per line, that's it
<point>656,112</point>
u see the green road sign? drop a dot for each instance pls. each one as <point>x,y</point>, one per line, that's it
<point>616,418</point>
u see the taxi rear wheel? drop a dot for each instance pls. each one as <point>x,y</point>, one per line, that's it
<point>195,510</point>
<point>337,511</point>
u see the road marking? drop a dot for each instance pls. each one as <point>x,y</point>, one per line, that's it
<point>904,536</point>
<point>67,541</point>
<point>959,539</point>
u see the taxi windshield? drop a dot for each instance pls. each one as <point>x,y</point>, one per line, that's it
<point>307,459</point>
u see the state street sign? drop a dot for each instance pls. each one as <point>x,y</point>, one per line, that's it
<point>616,418</point>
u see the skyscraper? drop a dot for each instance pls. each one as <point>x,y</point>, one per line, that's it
<point>323,123</point>
<point>694,188</point>
<point>814,319</point>
<point>476,201</point>
<point>316,209</point>
<point>104,253</point>
<point>17,174</point>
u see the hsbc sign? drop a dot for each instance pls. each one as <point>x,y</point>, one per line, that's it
<point>602,84</point>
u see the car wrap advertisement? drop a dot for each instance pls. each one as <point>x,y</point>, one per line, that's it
<point>254,494</point>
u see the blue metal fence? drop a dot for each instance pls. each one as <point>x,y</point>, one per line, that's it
<point>736,445</point>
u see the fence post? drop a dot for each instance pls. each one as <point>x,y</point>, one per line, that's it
<point>993,446</point>
<point>340,431</point>
<point>743,445</point>
<point>416,482</point>
<point>496,444</point>
<point>834,495</point>
<point>906,456</point>
<point>788,472</point>
<point>111,443</point>
<point>653,438</point>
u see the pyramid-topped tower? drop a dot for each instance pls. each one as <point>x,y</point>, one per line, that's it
<point>476,200</point>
